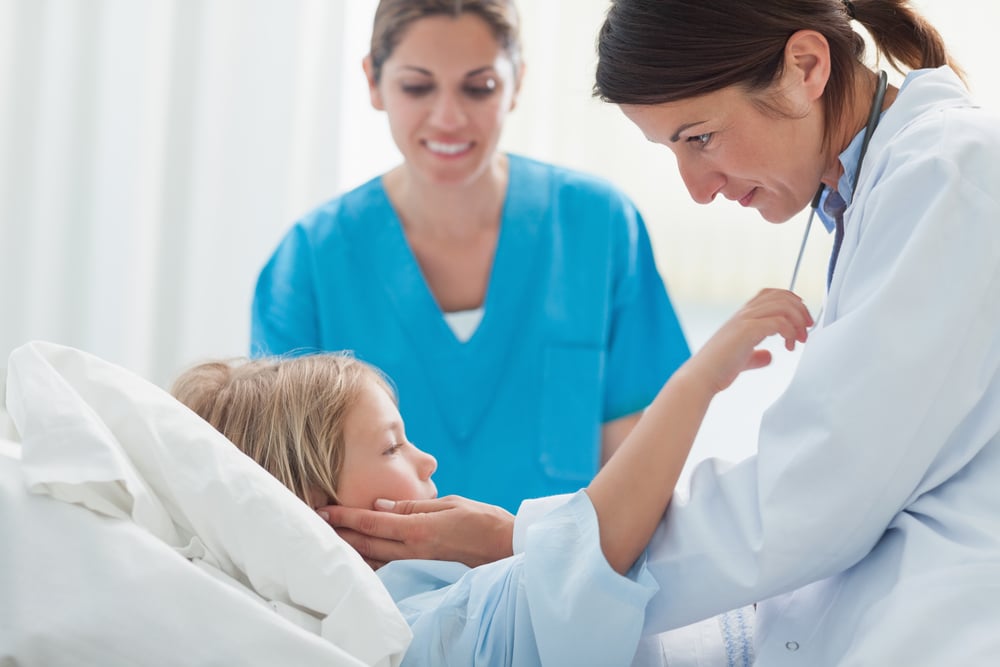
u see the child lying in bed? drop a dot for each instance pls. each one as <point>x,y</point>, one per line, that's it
<point>327,427</point>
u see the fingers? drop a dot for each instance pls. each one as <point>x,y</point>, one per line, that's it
<point>376,551</point>
<point>758,359</point>
<point>779,312</point>
<point>415,506</point>
<point>384,525</point>
<point>374,564</point>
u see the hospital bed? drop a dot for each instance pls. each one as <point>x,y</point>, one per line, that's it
<point>134,533</point>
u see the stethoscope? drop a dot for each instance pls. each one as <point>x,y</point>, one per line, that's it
<point>873,118</point>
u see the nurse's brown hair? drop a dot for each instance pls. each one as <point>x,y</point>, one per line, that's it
<point>393,17</point>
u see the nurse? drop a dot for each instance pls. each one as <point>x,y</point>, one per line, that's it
<point>868,524</point>
<point>516,304</point>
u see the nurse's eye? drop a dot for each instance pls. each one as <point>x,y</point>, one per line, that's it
<point>480,88</point>
<point>701,140</point>
<point>416,89</point>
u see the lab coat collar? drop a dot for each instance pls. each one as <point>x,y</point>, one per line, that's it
<point>923,88</point>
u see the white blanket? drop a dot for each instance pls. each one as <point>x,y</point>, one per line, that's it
<point>134,533</point>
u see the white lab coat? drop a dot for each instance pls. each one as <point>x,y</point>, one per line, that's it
<point>868,524</point>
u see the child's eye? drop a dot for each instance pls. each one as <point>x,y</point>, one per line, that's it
<point>393,449</point>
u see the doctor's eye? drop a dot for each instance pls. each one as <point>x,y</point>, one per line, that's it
<point>701,140</point>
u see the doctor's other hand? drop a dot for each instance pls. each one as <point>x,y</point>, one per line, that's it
<point>733,348</point>
<point>450,528</point>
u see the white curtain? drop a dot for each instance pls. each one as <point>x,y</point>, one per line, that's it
<point>153,150</point>
<point>152,153</point>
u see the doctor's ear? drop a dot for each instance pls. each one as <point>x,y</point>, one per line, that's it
<point>807,62</point>
<point>373,91</point>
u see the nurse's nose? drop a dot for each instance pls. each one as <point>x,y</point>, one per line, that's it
<point>448,112</point>
<point>702,184</point>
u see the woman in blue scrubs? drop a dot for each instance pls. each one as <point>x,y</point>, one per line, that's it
<point>516,304</point>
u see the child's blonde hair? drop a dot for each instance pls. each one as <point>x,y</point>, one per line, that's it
<point>286,413</point>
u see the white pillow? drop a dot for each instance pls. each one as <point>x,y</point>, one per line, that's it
<point>100,437</point>
<point>7,431</point>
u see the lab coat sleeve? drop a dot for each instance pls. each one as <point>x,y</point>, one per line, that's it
<point>870,418</point>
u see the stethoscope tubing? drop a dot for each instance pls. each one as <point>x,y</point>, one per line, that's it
<point>873,117</point>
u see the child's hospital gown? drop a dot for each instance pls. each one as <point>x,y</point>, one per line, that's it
<point>557,603</point>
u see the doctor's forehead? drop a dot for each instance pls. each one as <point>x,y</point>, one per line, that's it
<point>662,123</point>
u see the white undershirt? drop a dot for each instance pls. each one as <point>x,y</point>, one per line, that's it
<point>464,323</point>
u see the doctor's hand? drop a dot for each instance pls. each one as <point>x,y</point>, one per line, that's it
<point>450,528</point>
<point>733,348</point>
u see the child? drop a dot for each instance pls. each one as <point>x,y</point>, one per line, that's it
<point>327,426</point>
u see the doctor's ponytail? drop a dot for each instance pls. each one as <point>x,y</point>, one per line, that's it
<point>902,35</point>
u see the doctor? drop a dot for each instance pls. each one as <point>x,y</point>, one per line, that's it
<point>868,524</point>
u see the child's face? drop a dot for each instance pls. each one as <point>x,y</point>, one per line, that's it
<point>379,462</point>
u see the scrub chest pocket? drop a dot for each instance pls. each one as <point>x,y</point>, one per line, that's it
<point>572,407</point>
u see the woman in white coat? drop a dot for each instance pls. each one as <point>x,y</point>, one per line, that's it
<point>868,524</point>
<point>869,521</point>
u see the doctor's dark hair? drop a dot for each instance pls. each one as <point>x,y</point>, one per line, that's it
<point>393,17</point>
<point>286,413</point>
<point>656,51</point>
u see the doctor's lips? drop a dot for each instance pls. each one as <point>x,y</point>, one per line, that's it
<point>746,199</point>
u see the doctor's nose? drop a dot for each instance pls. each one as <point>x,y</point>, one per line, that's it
<point>702,184</point>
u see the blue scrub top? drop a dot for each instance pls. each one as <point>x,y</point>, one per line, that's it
<point>578,328</point>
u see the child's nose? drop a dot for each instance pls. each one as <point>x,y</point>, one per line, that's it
<point>428,464</point>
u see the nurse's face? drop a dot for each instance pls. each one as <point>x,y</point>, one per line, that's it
<point>727,145</point>
<point>447,89</point>
<point>379,462</point>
